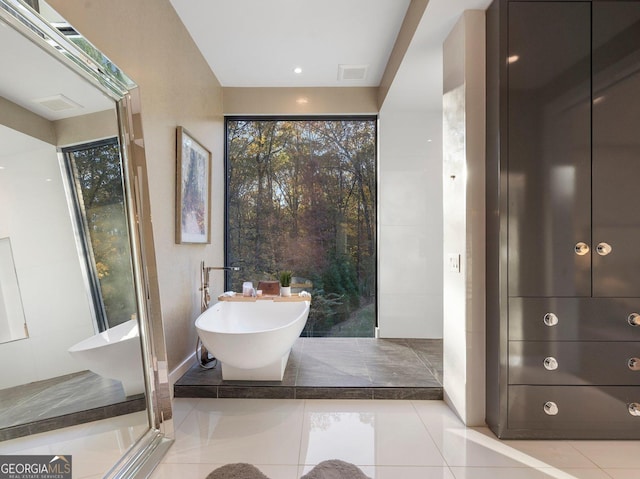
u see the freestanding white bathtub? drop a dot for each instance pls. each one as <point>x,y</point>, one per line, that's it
<point>114,354</point>
<point>252,339</point>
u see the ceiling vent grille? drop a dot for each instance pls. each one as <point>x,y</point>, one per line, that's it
<point>57,103</point>
<point>352,72</point>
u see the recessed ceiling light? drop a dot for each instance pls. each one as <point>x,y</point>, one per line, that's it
<point>297,70</point>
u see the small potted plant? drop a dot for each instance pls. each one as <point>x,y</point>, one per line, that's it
<point>285,283</point>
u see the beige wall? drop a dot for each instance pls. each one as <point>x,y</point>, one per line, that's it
<point>17,118</point>
<point>147,40</point>
<point>300,101</point>
<point>92,127</point>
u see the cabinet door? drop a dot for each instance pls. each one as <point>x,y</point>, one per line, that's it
<point>549,148</point>
<point>616,149</point>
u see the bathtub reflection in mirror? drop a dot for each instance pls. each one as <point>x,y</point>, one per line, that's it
<point>56,296</point>
<point>71,180</point>
<point>12,323</point>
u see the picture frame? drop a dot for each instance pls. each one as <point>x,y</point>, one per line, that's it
<point>193,190</point>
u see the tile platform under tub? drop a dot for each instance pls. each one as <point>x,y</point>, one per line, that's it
<point>63,401</point>
<point>336,368</point>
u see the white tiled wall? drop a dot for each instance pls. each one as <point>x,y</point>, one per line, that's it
<point>56,305</point>
<point>410,224</point>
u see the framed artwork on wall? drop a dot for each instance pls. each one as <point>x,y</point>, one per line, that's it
<point>193,190</point>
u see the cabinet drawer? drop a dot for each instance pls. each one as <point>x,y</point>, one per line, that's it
<point>576,319</point>
<point>581,412</point>
<point>574,363</point>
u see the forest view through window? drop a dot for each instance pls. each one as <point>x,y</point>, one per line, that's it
<point>96,174</point>
<point>301,196</point>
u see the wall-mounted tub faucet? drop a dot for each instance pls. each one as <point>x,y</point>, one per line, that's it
<point>222,268</point>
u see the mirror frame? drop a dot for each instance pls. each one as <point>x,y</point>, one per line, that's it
<point>146,453</point>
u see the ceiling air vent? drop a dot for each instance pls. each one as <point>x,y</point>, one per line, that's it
<point>57,103</point>
<point>66,29</point>
<point>352,72</point>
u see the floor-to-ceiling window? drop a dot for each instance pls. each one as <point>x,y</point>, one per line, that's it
<point>96,175</point>
<point>301,196</point>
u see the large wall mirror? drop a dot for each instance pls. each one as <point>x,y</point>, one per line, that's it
<point>80,323</point>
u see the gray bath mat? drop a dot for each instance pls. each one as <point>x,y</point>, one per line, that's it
<point>237,471</point>
<point>333,469</point>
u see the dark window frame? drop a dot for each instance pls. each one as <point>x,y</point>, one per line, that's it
<point>80,222</point>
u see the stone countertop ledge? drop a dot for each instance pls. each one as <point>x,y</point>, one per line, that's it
<point>250,299</point>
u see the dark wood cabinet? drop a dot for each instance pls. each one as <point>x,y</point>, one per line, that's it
<point>563,227</point>
<point>616,147</point>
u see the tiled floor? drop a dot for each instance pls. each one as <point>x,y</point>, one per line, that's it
<point>397,439</point>
<point>95,447</point>
<point>62,401</point>
<point>386,439</point>
<point>337,368</point>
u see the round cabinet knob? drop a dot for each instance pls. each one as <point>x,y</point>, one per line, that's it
<point>634,364</point>
<point>551,319</point>
<point>550,363</point>
<point>603,249</point>
<point>551,408</point>
<point>581,248</point>
<point>634,409</point>
<point>634,319</point>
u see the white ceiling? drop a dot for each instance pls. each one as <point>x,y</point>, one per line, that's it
<point>28,73</point>
<point>257,43</point>
<point>418,83</point>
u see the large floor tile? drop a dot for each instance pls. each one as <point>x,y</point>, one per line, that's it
<point>526,473</point>
<point>611,454</point>
<point>95,447</point>
<point>322,363</point>
<point>623,473</point>
<point>181,408</point>
<point>222,431</point>
<point>384,433</point>
<point>474,447</point>
<point>202,470</point>
<point>408,472</point>
<point>559,454</point>
<point>437,416</point>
